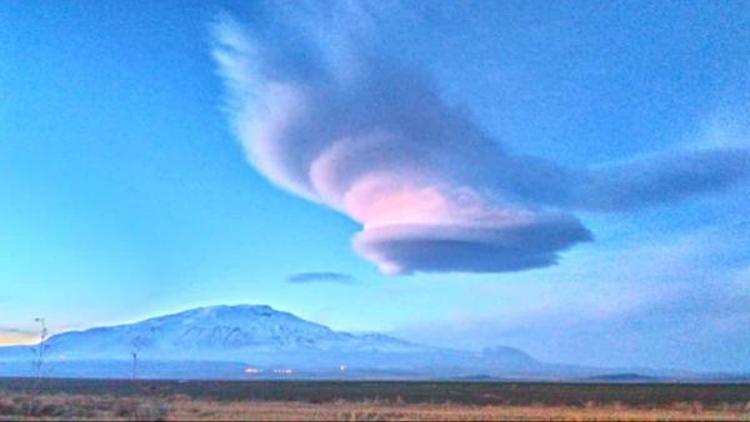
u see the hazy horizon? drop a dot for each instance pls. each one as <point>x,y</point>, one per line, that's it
<point>570,179</point>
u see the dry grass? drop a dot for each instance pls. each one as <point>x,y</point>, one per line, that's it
<point>20,406</point>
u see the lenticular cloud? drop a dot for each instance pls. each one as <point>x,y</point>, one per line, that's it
<point>374,141</point>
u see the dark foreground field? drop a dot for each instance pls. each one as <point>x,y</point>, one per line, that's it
<point>94,399</point>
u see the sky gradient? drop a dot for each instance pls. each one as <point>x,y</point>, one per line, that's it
<point>568,178</point>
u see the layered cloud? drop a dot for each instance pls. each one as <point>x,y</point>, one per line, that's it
<point>373,139</point>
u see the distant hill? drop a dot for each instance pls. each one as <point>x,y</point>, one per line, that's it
<point>624,377</point>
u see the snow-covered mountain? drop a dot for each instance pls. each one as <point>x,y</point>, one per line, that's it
<point>218,333</point>
<point>258,336</point>
<point>230,333</point>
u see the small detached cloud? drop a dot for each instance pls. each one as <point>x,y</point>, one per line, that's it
<point>332,121</point>
<point>321,277</point>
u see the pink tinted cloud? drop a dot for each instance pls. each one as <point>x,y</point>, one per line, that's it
<point>432,192</point>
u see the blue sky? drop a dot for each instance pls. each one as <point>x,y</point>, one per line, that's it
<point>569,178</point>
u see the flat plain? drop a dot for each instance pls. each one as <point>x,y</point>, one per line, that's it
<point>65,399</point>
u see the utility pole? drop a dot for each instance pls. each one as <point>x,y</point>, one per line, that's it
<point>40,349</point>
<point>38,363</point>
